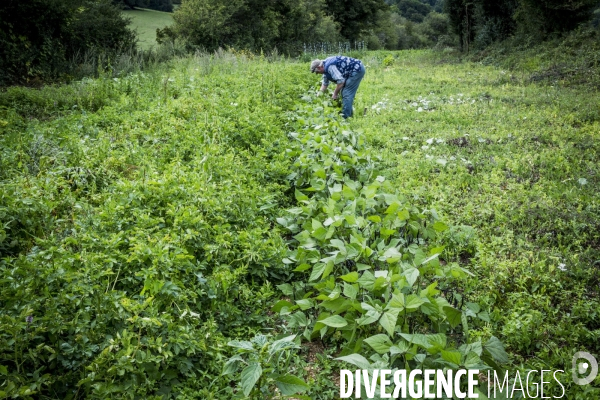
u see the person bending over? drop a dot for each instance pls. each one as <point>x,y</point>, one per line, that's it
<point>346,72</point>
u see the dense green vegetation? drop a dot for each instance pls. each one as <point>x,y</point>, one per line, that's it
<point>207,228</point>
<point>42,40</point>
<point>480,23</point>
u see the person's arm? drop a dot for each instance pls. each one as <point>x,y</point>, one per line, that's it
<point>336,92</point>
<point>338,78</point>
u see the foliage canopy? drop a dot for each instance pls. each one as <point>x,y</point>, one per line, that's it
<point>38,37</point>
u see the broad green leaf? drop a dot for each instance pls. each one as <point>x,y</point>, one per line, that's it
<point>391,255</point>
<point>484,316</point>
<point>418,339</point>
<point>453,316</point>
<point>350,219</point>
<point>335,321</point>
<point>300,196</point>
<point>286,289</point>
<point>351,277</point>
<point>495,348</point>
<point>402,347</point>
<point>411,275</point>
<point>474,347</point>
<point>428,259</point>
<point>380,283</point>
<point>413,302</point>
<point>328,269</point>
<point>320,173</point>
<point>319,233</point>
<point>388,320</point>
<point>356,359</point>
<point>430,290</point>
<point>439,226</point>
<point>392,208</point>
<point>317,271</point>
<point>397,301</point>
<point>280,304</point>
<point>350,291</point>
<point>295,210</point>
<point>374,218</point>
<point>438,342</point>
<point>338,244</point>
<point>241,344</point>
<point>316,224</point>
<point>367,280</point>
<point>452,356</point>
<point>419,257</point>
<point>250,375</point>
<point>297,319</point>
<point>362,267</point>
<point>302,268</point>
<point>472,361</point>
<point>403,215</point>
<point>380,343</point>
<point>281,344</point>
<point>304,304</point>
<point>231,365</point>
<point>348,192</point>
<point>290,384</point>
<point>368,318</point>
<point>385,232</point>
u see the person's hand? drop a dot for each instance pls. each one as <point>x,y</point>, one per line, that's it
<point>334,96</point>
<point>319,93</point>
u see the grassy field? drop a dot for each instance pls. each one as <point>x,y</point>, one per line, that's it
<point>145,22</point>
<point>512,166</point>
<point>167,233</point>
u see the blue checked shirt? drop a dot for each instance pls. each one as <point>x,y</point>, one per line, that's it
<point>339,68</point>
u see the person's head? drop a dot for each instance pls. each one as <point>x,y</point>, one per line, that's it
<point>316,67</point>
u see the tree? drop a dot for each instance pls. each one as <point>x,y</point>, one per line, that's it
<point>253,24</point>
<point>355,16</point>
<point>414,10</point>
<point>38,37</point>
<point>542,17</point>
<point>480,22</point>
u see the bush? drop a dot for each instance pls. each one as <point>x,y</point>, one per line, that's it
<point>38,37</point>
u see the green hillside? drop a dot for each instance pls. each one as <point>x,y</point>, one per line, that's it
<point>145,22</point>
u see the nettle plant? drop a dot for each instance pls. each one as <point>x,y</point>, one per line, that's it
<point>265,364</point>
<point>373,274</point>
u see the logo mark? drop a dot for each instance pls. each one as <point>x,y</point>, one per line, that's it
<point>590,365</point>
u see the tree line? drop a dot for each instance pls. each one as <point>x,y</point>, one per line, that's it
<point>41,38</point>
<point>479,23</point>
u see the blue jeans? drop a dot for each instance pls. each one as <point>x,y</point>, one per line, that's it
<point>349,91</point>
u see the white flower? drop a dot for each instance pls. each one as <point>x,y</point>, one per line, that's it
<point>562,267</point>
